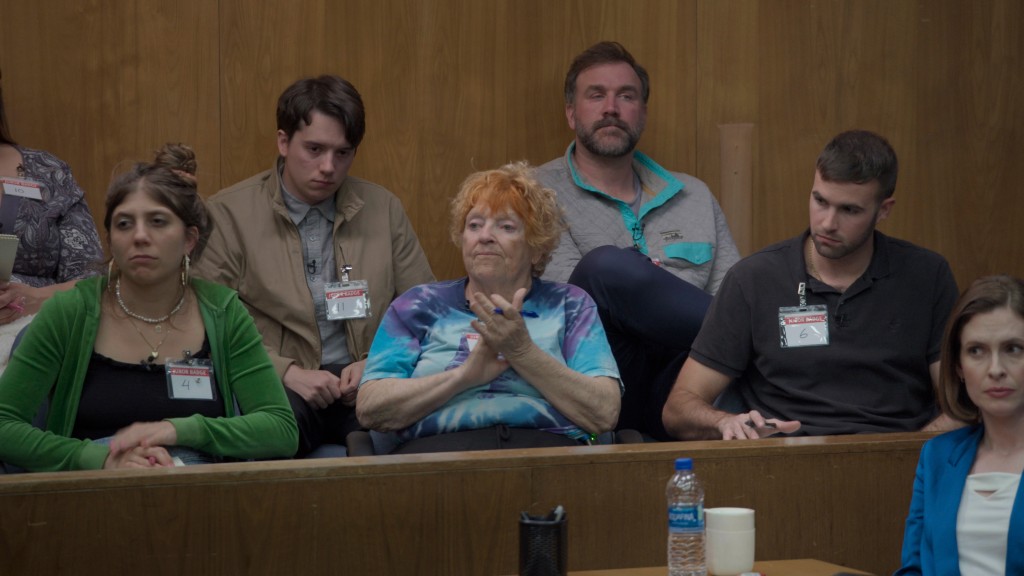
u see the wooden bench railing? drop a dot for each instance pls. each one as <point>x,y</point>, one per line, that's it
<point>841,499</point>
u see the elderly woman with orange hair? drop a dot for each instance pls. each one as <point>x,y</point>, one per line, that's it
<point>498,358</point>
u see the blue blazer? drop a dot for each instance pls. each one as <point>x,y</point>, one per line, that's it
<point>929,541</point>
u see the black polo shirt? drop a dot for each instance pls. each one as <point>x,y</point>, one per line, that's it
<point>884,332</point>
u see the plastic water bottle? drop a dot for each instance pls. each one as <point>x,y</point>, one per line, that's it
<point>685,522</point>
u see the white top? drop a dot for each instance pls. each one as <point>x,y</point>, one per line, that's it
<point>983,522</point>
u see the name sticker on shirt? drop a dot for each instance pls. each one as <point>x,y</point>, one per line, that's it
<point>472,339</point>
<point>23,188</point>
<point>803,326</point>
<point>190,380</point>
<point>347,300</point>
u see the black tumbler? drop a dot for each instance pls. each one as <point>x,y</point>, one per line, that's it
<point>543,544</point>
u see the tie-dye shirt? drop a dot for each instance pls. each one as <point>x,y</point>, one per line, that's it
<point>425,331</point>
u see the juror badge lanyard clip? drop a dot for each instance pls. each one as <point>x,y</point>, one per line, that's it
<point>803,325</point>
<point>190,379</point>
<point>347,299</point>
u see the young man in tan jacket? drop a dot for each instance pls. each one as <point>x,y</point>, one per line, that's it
<point>315,254</point>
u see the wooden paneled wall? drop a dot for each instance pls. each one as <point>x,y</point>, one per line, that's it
<point>842,499</point>
<point>453,86</point>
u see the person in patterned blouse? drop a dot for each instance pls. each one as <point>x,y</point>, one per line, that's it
<point>45,208</point>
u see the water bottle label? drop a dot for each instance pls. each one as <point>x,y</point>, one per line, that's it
<point>686,519</point>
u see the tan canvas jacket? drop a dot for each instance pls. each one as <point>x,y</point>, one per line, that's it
<point>255,248</point>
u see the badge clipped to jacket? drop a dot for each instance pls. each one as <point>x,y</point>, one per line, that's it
<point>347,299</point>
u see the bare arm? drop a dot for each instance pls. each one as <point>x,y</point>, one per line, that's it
<point>396,403</point>
<point>689,415</point>
<point>591,402</point>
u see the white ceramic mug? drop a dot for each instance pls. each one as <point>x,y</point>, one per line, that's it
<point>729,540</point>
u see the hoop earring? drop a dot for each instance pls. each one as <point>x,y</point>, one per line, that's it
<point>185,263</point>
<point>110,274</point>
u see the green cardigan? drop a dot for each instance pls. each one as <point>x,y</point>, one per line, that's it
<point>53,357</point>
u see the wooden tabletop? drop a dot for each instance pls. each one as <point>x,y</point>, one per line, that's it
<point>802,567</point>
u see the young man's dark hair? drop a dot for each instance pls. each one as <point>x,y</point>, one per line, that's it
<point>859,157</point>
<point>327,94</point>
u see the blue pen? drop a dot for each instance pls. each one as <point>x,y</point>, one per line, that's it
<point>527,313</point>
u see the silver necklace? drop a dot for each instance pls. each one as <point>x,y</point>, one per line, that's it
<point>157,321</point>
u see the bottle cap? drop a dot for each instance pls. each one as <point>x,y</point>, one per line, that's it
<point>684,464</point>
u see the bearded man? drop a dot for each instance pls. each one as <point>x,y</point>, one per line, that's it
<point>650,246</point>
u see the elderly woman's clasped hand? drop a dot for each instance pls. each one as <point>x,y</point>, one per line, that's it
<point>503,335</point>
<point>499,323</point>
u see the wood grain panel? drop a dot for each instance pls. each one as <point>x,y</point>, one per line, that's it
<point>825,67</point>
<point>932,77</point>
<point>69,84</point>
<point>435,93</point>
<point>971,132</point>
<point>631,494</point>
<point>727,42</point>
<point>841,499</point>
<point>102,85</point>
<point>178,82</point>
<point>264,47</point>
<point>431,81</point>
<point>454,86</point>
<point>424,523</point>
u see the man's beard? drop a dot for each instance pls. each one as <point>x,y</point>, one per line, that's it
<point>844,250</point>
<point>609,147</point>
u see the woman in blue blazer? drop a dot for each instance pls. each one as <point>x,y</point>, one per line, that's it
<point>967,513</point>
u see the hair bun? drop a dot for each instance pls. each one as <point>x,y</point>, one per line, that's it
<point>178,158</point>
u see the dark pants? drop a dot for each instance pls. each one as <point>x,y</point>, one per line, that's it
<point>328,426</point>
<point>498,437</point>
<point>652,318</point>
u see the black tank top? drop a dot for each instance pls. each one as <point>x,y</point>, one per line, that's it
<point>116,394</point>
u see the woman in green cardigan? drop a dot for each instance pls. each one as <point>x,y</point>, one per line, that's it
<point>145,366</point>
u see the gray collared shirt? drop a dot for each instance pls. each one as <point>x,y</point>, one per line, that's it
<point>316,229</point>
